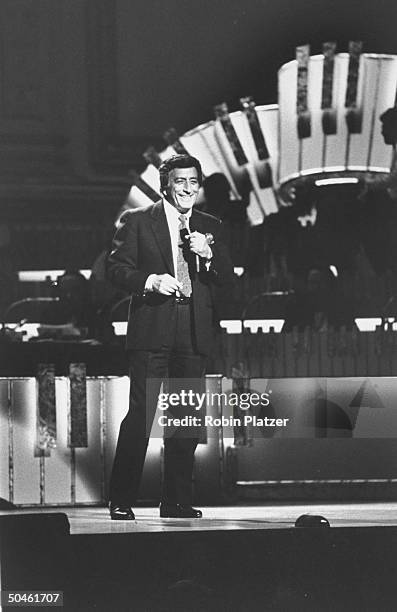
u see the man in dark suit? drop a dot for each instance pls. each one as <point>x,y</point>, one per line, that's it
<point>172,259</point>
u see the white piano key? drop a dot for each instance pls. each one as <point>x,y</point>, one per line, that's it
<point>202,143</point>
<point>268,120</point>
<point>244,134</point>
<point>376,91</point>
<point>89,460</point>
<point>207,467</point>
<point>269,200</point>
<point>358,143</point>
<point>57,465</point>
<point>136,198</point>
<point>255,212</point>
<point>268,117</point>
<point>265,197</point>
<point>26,465</point>
<point>243,131</point>
<point>196,143</point>
<point>116,407</point>
<point>168,152</point>
<point>4,440</point>
<point>312,147</point>
<point>151,176</point>
<point>336,144</point>
<point>380,154</point>
<point>288,137</point>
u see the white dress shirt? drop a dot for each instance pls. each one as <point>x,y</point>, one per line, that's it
<point>172,216</point>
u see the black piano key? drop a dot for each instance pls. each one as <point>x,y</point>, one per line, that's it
<point>302,109</point>
<point>353,112</point>
<point>78,433</point>
<point>46,414</point>
<point>248,106</point>
<point>222,114</point>
<point>328,74</point>
<point>329,116</point>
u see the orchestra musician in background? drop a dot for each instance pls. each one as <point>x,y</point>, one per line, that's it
<point>173,260</point>
<point>389,182</point>
<point>378,211</point>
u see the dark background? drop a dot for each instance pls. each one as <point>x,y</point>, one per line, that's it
<point>184,57</point>
<point>87,85</point>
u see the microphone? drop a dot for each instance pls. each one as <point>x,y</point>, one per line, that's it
<point>184,233</point>
<point>209,238</point>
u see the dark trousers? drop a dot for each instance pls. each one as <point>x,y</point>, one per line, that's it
<point>147,370</point>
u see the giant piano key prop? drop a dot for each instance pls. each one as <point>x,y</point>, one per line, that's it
<point>329,122</point>
<point>325,127</point>
<point>233,144</point>
<point>58,435</point>
<point>51,439</point>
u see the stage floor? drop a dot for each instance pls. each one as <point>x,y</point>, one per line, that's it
<point>235,559</point>
<point>90,520</point>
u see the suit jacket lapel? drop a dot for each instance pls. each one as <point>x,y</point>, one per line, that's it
<point>196,224</point>
<point>162,235</point>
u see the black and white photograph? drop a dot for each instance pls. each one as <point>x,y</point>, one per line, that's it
<point>198,302</point>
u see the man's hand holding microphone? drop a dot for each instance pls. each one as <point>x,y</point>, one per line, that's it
<point>199,244</point>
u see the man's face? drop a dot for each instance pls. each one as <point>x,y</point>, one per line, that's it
<point>182,189</point>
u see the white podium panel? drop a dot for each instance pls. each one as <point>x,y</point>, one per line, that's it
<point>26,468</point>
<point>333,428</point>
<point>64,475</point>
<point>57,467</point>
<point>336,429</point>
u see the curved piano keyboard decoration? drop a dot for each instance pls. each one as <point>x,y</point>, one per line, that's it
<point>325,126</point>
<point>329,127</point>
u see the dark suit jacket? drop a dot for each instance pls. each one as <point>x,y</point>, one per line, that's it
<point>142,246</point>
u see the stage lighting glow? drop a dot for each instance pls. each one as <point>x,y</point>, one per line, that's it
<point>120,327</point>
<point>232,326</point>
<point>266,325</point>
<point>310,171</point>
<point>336,181</point>
<point>368,324</point>
<point>235,326</point>
<point>201,450</point>
<point>154,447</point>
<point>30,330</point>
<point>379,169</point>
<point>37,276</point>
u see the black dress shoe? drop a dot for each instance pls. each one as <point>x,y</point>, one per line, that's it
<point>179,511</point>
<point>121,513</point>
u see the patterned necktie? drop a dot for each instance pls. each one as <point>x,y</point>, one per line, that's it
<point>182,271</point>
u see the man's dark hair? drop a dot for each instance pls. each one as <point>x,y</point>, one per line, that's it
<point>178,161</point>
